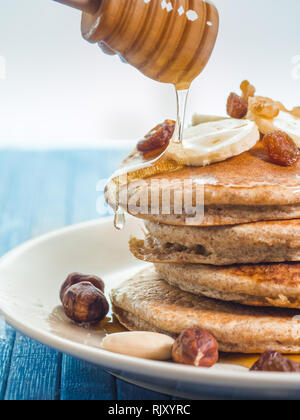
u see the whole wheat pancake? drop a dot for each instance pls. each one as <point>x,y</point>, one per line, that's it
<point>275,285</point>
<point>146,302</point>
<point>272,241</point>
<point>245,188</point>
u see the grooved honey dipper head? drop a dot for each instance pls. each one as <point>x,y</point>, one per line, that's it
<point>170,42</point>
<point>88,6</point>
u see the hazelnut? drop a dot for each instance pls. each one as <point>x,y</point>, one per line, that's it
<point>195,347</point>
<point>85,303</point>
<point>76,278</point>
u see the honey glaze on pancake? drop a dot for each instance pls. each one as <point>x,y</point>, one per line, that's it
<point>248,170</point>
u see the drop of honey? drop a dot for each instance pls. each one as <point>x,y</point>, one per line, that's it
<point>181,97</point>
<point>119,219</point>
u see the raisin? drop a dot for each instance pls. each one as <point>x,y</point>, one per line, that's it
<point>272,361</point>
<point>158,139</point>
<point>296,112</point>
<point>281,148</point>
<point>264,107</point>
<point>247,89</point>
<point>281,107</point>
<point>237,107</point>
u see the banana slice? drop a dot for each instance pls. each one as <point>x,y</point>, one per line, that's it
<point>202,118</point>
<point>285,121</point>
<point>215,141</point>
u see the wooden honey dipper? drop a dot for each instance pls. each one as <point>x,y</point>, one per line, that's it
<point>87,6</point>
<point>169,41</point>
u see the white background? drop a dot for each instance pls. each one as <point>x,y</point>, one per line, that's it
<point>58,90</point>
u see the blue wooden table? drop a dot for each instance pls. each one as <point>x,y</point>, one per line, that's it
<point>41,191</point>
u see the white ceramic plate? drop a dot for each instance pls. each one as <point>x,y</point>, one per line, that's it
<point>30,279</point>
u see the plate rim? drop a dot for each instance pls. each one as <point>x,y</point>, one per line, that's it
<point>108,360</point>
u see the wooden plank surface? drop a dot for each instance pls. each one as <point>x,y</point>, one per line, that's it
<point>82,381</point>
<point>40,192</point>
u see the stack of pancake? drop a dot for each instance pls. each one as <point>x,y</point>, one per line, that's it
<point>236,274</point>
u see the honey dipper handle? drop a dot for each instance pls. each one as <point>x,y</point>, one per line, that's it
<point>88,6</point>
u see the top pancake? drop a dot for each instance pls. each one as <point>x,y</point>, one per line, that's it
<point>242,189</point>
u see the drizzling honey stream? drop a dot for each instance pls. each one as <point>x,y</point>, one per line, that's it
<point>168,41</point>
